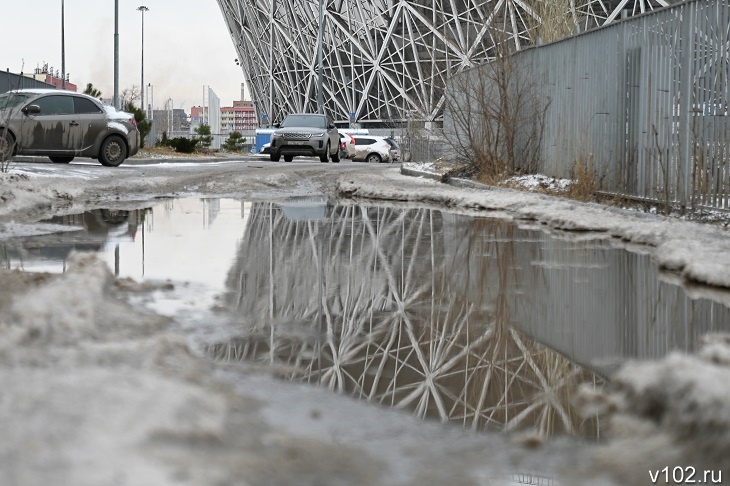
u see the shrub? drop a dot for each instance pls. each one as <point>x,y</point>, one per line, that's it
<point>234,142</point>
<point>143,125</point>
<point>204,135</point>
<point>183,145</point>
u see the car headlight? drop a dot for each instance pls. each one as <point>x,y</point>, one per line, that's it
<point>318,134</point>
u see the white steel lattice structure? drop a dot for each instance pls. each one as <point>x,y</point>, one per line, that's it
<point>385,61</point>
<point>401,324</point>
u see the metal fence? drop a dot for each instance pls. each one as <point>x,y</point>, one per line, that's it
<point>644,102</point>
<point>416,145</point>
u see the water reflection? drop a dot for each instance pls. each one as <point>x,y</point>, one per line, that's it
<point>94,230</point>
<point>417,311</point>
<point>472,320</point>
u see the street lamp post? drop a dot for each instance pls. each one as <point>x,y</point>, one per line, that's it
<point>142,9</point>
<point>116,54</point>
<point>63,47</point>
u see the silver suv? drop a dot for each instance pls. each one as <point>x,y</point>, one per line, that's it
<point>305,134</point>
<point>62,125</point>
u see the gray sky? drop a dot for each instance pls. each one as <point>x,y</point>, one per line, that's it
<point>186,46</point>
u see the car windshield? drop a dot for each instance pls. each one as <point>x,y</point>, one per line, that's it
<point>308,121</point>
<point>11,100</point>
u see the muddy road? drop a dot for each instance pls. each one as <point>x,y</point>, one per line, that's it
<point>101,388</point>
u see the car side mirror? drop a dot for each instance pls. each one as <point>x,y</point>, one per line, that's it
<point>31,110</point>
<point>331,125</point>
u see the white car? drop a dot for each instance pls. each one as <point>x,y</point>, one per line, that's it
<point>371,149</point>
<point>347,145</point>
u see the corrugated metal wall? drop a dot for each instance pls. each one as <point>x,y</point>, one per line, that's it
<point>645,100</point>
<point>10,81</point>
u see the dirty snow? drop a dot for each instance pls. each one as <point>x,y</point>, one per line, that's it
<point>672,412</point>
<point>97,390</point>
<point>539,182</point>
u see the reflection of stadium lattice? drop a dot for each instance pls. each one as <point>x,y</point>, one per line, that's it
<point>413,317</point>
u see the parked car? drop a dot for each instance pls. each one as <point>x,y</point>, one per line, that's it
<point>265,149</point>
<point>62,125</point>
<point>347,146</point>
<point>305,134</point>
<point>394,149</point>
<point>372,149</point>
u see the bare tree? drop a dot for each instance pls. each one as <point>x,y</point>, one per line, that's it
<point>130,95</point>
<point>7,147</point>
<point>8,107</point>
<point>496,114</point>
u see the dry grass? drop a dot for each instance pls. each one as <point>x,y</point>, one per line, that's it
<point>493,179</point>
<point>585,180</point>
<point>168,152</point>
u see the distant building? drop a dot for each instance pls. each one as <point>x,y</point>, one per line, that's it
<point>209,114</point>
<point>198,115</point>
<point>171,121</point>
<point>10,81</point>
<point>239,117</point>
<point>46,75</point>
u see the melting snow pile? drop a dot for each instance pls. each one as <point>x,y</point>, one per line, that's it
<point>674,412</point>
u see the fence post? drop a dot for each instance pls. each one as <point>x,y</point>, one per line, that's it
<point>686,82</point>
<point>622,94</point>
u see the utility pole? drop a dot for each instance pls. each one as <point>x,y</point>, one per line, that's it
<point>116,54</point>
<point>63,47</point>
<point>142,9</point>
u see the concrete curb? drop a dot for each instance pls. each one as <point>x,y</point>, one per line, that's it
<point>452,181</point>
<point>419,173</point>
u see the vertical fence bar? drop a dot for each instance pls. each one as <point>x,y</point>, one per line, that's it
<point>622,94</point>
<point>725,97</point>
<point>700,135</point>
<point>685,101</point>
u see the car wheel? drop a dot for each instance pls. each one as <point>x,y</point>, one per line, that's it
<point>374,159</point>
<point>336,156</point>
<point>274,157</point>
<point>288,158</point>
<point>7,145</point>
<point>113,151</point>
<point>326,155</point>
<point>61,160</point>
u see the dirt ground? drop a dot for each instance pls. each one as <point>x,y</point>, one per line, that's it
<point>99,391</point>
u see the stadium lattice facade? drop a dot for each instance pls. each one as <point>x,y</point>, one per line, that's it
<point>386,61</point>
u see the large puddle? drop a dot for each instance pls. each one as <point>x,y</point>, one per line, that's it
<point>479,321</point>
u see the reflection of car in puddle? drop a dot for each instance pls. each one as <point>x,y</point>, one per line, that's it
<point>96,228</point>
<point>306,208</point>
